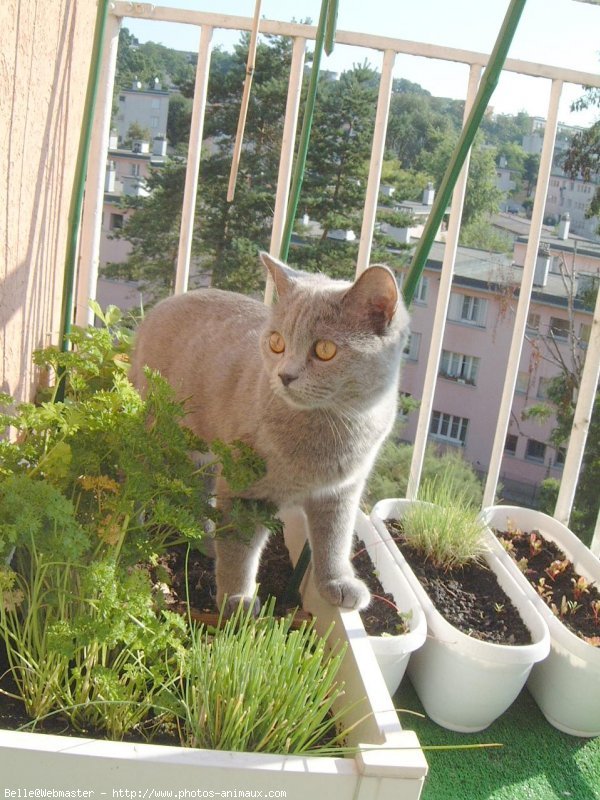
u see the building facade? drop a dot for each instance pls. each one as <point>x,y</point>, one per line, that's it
<point>476,345</point>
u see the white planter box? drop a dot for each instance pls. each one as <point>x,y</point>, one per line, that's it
<point>392,652</point>
<point>566,686</point>
<point>465,683</point>
<point>389,763</point>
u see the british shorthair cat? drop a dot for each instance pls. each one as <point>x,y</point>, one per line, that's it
<point>310,383</point>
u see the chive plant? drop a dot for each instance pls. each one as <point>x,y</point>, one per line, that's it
<point>444,526</point>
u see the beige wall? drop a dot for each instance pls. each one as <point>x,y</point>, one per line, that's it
<point>45,51</point>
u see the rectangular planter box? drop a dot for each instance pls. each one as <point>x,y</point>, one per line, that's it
<point>388,765</point>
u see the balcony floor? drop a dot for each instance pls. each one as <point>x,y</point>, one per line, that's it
<point>536,761</point>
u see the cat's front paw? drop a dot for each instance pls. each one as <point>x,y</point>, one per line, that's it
<point>248,603</point>
<point>347,592</point>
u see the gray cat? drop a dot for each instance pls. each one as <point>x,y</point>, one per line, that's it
<point>310,383</point>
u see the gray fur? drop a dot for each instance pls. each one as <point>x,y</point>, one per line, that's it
<point>319,435</point>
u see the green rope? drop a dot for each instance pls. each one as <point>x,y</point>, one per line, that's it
<point>485,91</point>
<point>79,184</point>
<point>309,108</point>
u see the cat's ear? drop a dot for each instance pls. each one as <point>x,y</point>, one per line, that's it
<point>374,298</point>
<point>280,272</point>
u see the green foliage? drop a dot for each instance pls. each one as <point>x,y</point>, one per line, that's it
<point>389,477</point>
<point>444,526</point>
<point>257,686</point>
<point>548,495</point>
<point>482,197</point>
<point>481,234</point>
<point>150,60</point>
<point>92,491</point>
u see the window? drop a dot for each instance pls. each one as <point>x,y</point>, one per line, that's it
<point>510,445</point>
<point>457,366</point>
<point>116,221</point>
<point>467,308</point>
<point>585,331</point>
<point>559,458</point>
<point>542,392</point>
<point>449,427</point>
<point>411,350</point>
<point>135,170</point>
<point>522,384</point>
<point>559,328</point>
<point>422,290</point>
<point>154,122</point>
<point>533,322</point>
<point>535,451</point>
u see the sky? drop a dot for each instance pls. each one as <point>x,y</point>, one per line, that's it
<point>563,33</point>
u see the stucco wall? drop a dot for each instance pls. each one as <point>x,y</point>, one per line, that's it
<point>45,52</point>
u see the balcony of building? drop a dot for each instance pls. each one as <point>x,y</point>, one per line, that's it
<point>469,297</point>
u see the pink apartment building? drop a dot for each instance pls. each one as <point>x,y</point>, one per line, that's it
<point>475,353</point>
<point>126,173</point>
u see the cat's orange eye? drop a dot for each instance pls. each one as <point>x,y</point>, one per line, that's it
<point>325,349</point>
<point>276,342</point>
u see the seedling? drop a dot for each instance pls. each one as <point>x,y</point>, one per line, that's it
<point>556,568</point>
<point>535,544</point>
<point>580,587</point>
<point>543,590</point>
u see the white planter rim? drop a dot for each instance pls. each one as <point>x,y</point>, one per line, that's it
<point>392,508</point>
<point>582,558</point>
<point>404,597</point>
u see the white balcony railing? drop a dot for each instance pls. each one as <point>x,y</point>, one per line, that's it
<point>389,48</point>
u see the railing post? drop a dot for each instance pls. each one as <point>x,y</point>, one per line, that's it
<point>377,151</point>
<point>286,158</point>
<point>516,346</point>
<point>581,422</point>
<point>91,219</point>
<point>188,210</point>
<point>441,309</point>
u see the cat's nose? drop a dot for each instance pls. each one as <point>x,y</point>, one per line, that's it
<point>286,378</point>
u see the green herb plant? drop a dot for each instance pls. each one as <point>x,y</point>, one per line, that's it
<point>258,686</point>
<point>92,490</point>
<point>444,527</point>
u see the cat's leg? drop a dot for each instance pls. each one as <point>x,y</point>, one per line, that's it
<point>331,519</point>
<point>236,566</point>
<point>236,563</point>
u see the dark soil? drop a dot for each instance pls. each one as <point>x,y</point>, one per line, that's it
<point>469,597</point>
<point>575,601</point>
<point>382,615</point>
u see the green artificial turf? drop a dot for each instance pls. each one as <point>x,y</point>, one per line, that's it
<point>536,761</point>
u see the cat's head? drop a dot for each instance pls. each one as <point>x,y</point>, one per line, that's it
<point>331,343</point>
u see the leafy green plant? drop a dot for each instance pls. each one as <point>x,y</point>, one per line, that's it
<point>259,686</point>
<point>93,488</point>
<point>444,526</point>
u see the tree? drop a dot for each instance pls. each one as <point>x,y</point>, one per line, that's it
<point>179,120</point>
<point>414,126</point>
<point>389,477</point>
<point>482,197</point>
<point>336,170</point>
<point>583,155</point>
<point>562,390</point>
